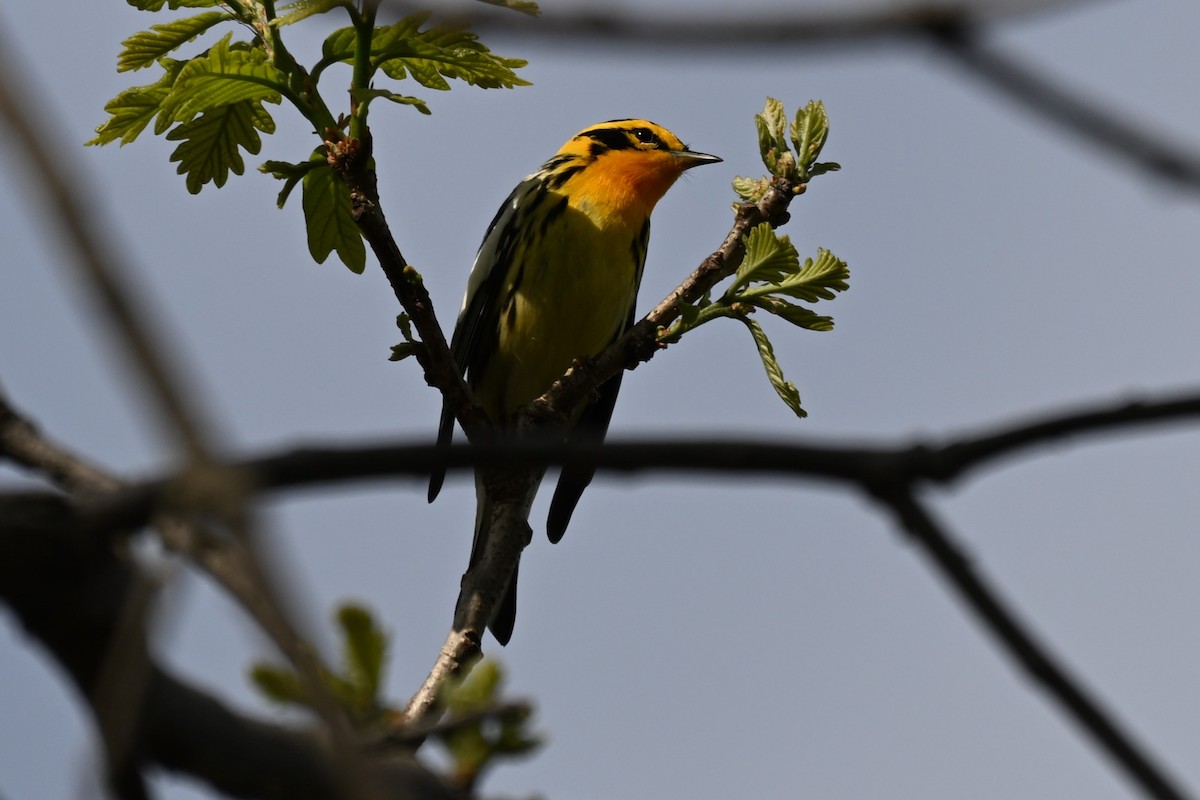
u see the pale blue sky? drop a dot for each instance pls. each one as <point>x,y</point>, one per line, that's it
<point>691,638</point>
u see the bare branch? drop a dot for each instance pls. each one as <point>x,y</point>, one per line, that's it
<point>67,588</point>
<point>1020,644</point>
<point>1064,108</point>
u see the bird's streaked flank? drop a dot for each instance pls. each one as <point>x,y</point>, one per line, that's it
<point>556,280</point>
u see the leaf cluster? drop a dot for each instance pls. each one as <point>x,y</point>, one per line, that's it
<point>771,277</point>
<point>214,102</point>
<point>796,164</point>
<point>358,684</point>
<point>479,728</point>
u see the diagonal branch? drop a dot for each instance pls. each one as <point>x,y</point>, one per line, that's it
<point>1034,657</point>
<point>68,590</point>
<point>1066,109</point>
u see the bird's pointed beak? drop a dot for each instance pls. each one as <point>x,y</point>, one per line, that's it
<point>690,158</point>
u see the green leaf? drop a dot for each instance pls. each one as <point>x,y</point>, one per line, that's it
<point>131,111</point>
<point>143,49</point>
<point>786,390</point>
<point>303,9</point>
<point>226,74</point>
<point>326,202</point>
<point>211,143</point>
<point>430,56</point>
<point>157,5</point>
<point>409,346</point>
<point>808,133</point>
<point>365,96</point>
<point>479,689</point>
<point>772,142</point>
<point>278,684</point>
<point>365,650</point>
<point>290,174</point>
<point>797,315</point>
<point>751,190</point>
<point>816,280</point>
<point>524,6</point>
<point>769,258</point>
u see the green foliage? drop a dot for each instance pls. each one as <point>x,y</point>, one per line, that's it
<point>771,278</point>
<point>797,164</point>
<point>215,102</point>
<point>145,48</point>
<point>211,144</point>
<point>478,727</point>
<point>408,346</point>
<point>327,216</point>
<point>359,684</point>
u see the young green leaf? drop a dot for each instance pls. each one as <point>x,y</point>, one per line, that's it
<point>440,52</point>
<point>211,144</point>
<point>157,5</point>
<point>797,315</point>
<point>786,390</point>
<point>809,131</point>
<point>145,48</point>
<point>364,96</point>
<point>227,73</point>
<point>524,6</point>
<point>131,111</point>
<point>290,173</point>
<point>303,9</point>
<point>769,257</point>
<point>278,684</point>
<point>365,650</point>
<point>326,202</point>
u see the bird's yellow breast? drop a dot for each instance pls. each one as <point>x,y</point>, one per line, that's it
<point>569,298</point>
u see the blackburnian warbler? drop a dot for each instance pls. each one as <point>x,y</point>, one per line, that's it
<point>556,280</point>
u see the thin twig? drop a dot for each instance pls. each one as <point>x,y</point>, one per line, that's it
<point>1021,645</point>
<point>1064,107</point>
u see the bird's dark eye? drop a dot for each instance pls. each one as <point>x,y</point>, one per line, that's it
<point>646,136</point>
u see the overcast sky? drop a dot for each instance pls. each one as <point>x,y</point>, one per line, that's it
<point>697,638</point>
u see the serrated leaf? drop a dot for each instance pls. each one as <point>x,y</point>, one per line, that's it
<point>430,56</point>
<point>786,390</point>
<point>402,351</point>
<point>157,5</point>
<point>524,6</point>
<point>751,189</point>
<point>366,95</point>
<point>440,52</point>
<point>808,133</point>
<point>769,258</point>
<point>227,73</point>
<point>145,48</point>
<point>817,280</point>
<point>303,9</point>
<point>772,129</point>
<point>364,649</point>
<point>797,315</point>
<point>211,143</point>
<point>278,684</point>
<point>290,174</point>
<point>326,202</point>
<point>131,111</point>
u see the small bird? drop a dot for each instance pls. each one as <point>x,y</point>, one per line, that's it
<point>556,280</point>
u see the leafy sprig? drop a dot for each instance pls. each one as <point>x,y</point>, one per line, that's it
<point>215,102</point>
<point>358,684</point>
<point>771,277</point>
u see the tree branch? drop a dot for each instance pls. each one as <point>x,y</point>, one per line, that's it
<point>1063,107</point>
<point>1020,644</point>
<point>68,590</point>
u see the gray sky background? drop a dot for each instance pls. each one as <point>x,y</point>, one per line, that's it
<point>689,638</point>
